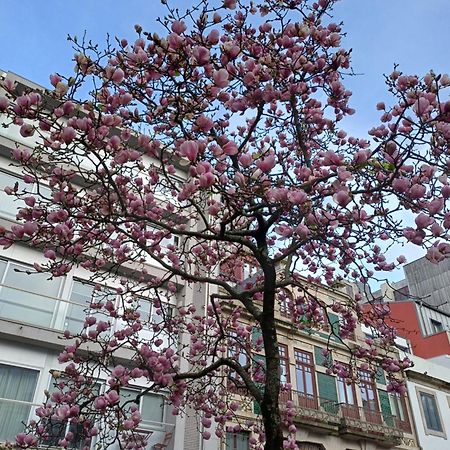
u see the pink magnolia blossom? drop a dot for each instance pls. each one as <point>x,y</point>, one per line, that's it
<point>190,150</point>
<point>221,78</point>
<point>266,164</point>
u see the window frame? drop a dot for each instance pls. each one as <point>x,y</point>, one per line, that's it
<point>56,298</point>
<point>233,445</point>
<point>37,187</point>
<point>283,352</point>
<point>148,424</point>
<point>420,390</point>
<point>233,353</point>
<point>303,367</point>
<point>30,403</point>
<point>368,383</point>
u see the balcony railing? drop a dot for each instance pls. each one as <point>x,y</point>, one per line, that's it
<point>51,313</point>
<point>346,419</point>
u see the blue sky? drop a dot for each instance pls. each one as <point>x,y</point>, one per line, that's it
<point>412,33</point>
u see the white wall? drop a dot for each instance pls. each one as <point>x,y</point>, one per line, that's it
<point>434,379</point>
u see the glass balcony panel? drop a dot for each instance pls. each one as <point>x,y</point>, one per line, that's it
<point>20,295</point>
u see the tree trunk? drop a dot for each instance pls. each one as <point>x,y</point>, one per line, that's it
<point>270,409</point>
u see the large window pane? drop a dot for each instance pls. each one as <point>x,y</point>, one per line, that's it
<point>151,406</point>
<point>21,298</point>
<point>57,429</point>
<point>237,441</point>
<point>18,384</point>
<point>8,203</point>
<point>81,297</point>
<point>430,411</point>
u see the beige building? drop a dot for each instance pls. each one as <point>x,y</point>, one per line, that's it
<point>330,414</point>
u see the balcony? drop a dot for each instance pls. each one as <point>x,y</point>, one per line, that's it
<point>52,315</point>
<point>350,421</point>
<point>357,422</point>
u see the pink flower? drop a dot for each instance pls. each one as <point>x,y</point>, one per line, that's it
<point>178,26</point>
<point>230,148</point>
<point>68,135</point>
<point>201,55</point>
<point>400,184</point>
<point>434,255</point>
<point>30,228</point>
<point>230,4</point>
<point>206,180</point>
<point>112,397</point>
<point>297,197</point>
<point>266,164</point>
<point>221,78</point>
<point>213,37</point>
<point>4,102</point>
<point>421,107</point>
<point>423,221</point>
<point>245,159</point>
<point>118,76</point>
<point>206,422</point>
<point>342,198</point>
<point>189,149</point>
<point>100,403</point>
<point>204,123</point>
<point>26,130</point>
<point>417,191</point>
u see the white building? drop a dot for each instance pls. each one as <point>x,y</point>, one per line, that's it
<point>428,385</point>
<point>34,312</point>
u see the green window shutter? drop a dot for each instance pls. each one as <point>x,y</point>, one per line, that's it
<point>320,359</point>
<point>261,361</point>
<point>334,325</point>
<point>379,376</point>
<point>385,406</point>
<point>256,333</point>
<point>327,392</point>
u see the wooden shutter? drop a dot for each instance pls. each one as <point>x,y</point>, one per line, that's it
<point>327,392</point>
<point>385,406</point>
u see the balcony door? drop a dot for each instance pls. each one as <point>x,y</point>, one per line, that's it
<point>369,398</point>
<point>305,377</point>
<point>347,398</point>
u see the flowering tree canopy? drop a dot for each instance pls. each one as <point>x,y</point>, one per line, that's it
<point>207,150</point>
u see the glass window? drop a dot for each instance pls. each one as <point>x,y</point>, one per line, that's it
<point>237,351</point>
<point>237,441</point>
<point>9,203</point>
<point>81,298</point>
<point>367,388</point>
<point>21,297</point>
<point>151,406</point>
<point>436,325</point>
<point>397,406</point>
<point>286,303</point>
<point>17,386</point>
<point>430,411</point>
<point>304,373</point>
<point>346,392</point>
<point>57,429</point>
<point>284,364</point>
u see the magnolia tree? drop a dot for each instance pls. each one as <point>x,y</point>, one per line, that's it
<point>213,147</point>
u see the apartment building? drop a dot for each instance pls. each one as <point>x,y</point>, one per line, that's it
<point>329,413</point>
<point>36,310</point>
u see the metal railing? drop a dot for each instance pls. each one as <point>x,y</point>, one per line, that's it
<point>349,419</point>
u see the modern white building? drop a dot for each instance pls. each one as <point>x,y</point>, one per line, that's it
<point>34,312</point>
